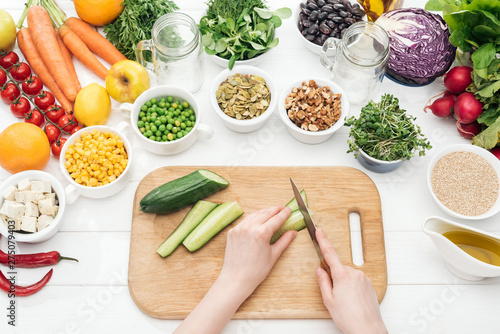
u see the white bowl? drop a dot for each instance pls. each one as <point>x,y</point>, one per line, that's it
<point>309,137</point>
<point>165,148</point>
<point>495,163</point>
<point>56,224</point>
<point>376,165</point>
<point>73,190</point>
<point>244,125</point>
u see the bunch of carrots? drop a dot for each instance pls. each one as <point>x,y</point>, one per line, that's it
<point>48,50</point>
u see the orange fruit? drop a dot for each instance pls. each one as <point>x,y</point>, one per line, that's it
<point>23,146</point>
<point>98,12</point>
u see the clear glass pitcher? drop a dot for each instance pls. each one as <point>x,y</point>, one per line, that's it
<point>177,55</point>
<point>357,63</point>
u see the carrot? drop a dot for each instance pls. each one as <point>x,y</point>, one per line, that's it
<point>82,52</point>
<point>44,38</point>
<point>35,60</point>
<point>95,41</point>
<point>69,61</point>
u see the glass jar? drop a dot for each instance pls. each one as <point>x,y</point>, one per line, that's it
<point>176,52</point>
<point>358,61</point>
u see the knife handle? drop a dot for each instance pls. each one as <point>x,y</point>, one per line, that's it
<point>325,267</point>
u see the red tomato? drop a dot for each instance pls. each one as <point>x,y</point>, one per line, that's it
<point>52,133</point>
<point>32,86</point>
<point>9,59</point>
<point>75,129</point>
<point>44,100</point>
<point>20,71</point>
<point>54,113</point>
<point>57,146</point>
<point>3,78</point>
<point>67,123</point>
<point>20,106</point>
<point>34,117</point>
<point>10,93</point>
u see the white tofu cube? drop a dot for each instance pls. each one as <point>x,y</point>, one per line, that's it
<point>43,222</point>
<point>21,196</point>
<point>41,186</point>
<point>33,197</point>
<point>46,208</point>
<point>31,210</point>
<point>51,197</point>
<point>15,224</point>
<point>10,193</point>
<point>24,185</point>
<point>12,209</point>
<point>28,224</point>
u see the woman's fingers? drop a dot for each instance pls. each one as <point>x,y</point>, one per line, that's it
<point>261,216</point>
<point>329,253</point>
<point>325,284</point>
<point>282,243</point>
<point>277,220</point>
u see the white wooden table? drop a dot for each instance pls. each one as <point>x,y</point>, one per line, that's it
<point>92,296</point>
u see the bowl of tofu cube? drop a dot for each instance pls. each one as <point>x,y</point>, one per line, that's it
<point>32,205</point>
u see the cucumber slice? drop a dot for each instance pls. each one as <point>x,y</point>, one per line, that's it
<point>294,222</point>
<point>293,202</point>
<point>220,217</point>
<point>195,216</point>
<point>181,192</point>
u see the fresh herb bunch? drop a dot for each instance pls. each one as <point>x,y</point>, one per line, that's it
<point>135,24</point>
<point>384,131</point>
<point>238,30</point>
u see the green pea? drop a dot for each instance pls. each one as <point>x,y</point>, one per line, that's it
<point>183,125</point>
<point>153,101</point>
<point>174,105</point>
<point>142,114</point>
<point>170,99</point>
<point>171,121</point>
<point>170,136</point>
<point>164,138</point>
<point>161,112</point>
<point>179,135</point>
<point>188,123</point>
<point>158,134</point>
<point>183,118</point>
<point>157,122</point>
<point>176,113</point>
<point>185,105</point>
<point>177,123</point>
<point>163,100</point>
<point>154,128</point>
<point>177,101</point>
<point>148,103</point>
<point>140,124</point>
<point>189,128</point>
<point>192,118</point>
<point>161,104</point>
<point>162,128</point>
<point>169,127</point>
<point>144,119</point>
<point>163,119</point>
<point>167,105</point>
<point>152,137</point>
<point>171,109</point>
<point>175,129</point>
<point>144,107</point>
<point>142,130</point>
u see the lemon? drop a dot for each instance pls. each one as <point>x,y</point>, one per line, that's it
<point>92,105</point>
<point>7,31</point>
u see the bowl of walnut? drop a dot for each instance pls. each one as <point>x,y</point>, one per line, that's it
<point>313,109</point>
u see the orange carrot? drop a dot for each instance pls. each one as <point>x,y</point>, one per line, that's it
<point>82,52</point>
<point>45,40</point>
<point>33,57</point>
<point>69,61</point>
<point>95,41</point>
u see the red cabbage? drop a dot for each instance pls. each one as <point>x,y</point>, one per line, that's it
<point>420,50</point>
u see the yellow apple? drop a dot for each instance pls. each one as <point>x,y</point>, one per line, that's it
<point>126,80</point>
<point>7,31</point>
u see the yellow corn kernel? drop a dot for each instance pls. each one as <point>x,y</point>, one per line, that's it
<point>93,182</point>
<point>110,172</point>
<point>78,180</point>
<point>67,164</point>
<point>117,173</point>
<point>105,182</point>
<point>111,178</point>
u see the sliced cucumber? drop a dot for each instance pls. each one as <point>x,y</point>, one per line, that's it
<point>220,217</point>
<point>294,222</point>
<point>181,192</point>
<point>293,202</point>
<point>197,213</point>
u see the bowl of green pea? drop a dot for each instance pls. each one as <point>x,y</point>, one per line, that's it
<point>166,119</point>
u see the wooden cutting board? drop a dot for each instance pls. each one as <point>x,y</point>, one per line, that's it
<point>169,288</point>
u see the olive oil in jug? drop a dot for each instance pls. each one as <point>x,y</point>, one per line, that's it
<point>480,247</point>
<point>375,8</point>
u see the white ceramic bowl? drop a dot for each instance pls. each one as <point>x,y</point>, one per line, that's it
<point>73,190</point>
<point>245,125</point>
<point>56,224</point>
<point>376,165</point>
<point>165,148</point>
<point>309,137</point>
<point>495,163</point>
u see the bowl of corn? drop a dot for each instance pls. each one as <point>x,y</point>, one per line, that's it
<point>96,161</point>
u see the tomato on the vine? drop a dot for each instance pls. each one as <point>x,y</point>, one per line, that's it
<point>20,71</point>
<point>52,133</point>
<point>75,129</point>
<point>54,112</point>
<point>67,123</point>
<point>44,100</point>
<point>57,146</point>
<point>32,85</point>
<point>34,117</point>
<point>20,106</point>
<point>3,78</point>
<point>9,59</point>
<point>10,93</point>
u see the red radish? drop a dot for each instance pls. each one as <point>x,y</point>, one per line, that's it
<point>468,130</point>
<point>442,107</point>
<point>450,94</point>
<point>467,108</point>
<point>458,79</point>
<point>496,151</point>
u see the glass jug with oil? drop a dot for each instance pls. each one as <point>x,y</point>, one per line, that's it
<point>357,61</point>
<point>175,53</point>
<point>375,8</point>
<point>470,253</point>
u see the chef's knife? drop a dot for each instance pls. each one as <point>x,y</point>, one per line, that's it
<point>311,228</point>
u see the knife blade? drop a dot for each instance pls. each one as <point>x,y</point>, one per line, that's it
<point>311,227</point>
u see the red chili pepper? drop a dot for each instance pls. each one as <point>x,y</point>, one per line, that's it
<point>20,291</point>
<point>33,260</point>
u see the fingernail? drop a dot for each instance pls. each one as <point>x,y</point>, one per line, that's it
<point>320,231</point>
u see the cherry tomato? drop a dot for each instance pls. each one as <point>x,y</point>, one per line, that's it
<point>34,117</point>
<point>75,130</point>
<point>44,100</point>
<point>32,86</point>
<point>52,133</point>
<point>3,78</point>
<point>54,113</point>
<point>67,123</point>
<point>20,71</point>
<point>9,59</point>
<point>10,93</point>
<point>57,146</point>
<point>20,106</point>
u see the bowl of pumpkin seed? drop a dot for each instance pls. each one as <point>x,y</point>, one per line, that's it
<point>244,98</point>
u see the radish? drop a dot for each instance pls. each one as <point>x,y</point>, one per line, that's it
<point>467,109</point>
<point>468,130</point>
<point>442,107</point>
<point>458,79</point>
<point>496,151</point>
<point>450,94</point>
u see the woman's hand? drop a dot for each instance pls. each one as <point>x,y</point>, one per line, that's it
<point>348,294</point>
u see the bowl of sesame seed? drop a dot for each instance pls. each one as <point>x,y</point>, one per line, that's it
<point>464,182</point>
